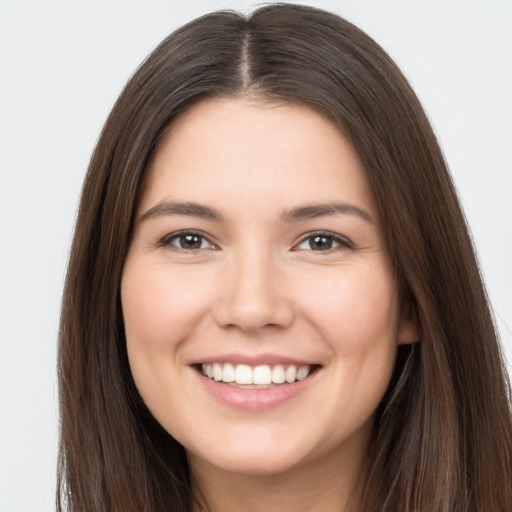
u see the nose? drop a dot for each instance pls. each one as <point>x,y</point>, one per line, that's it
<point>254,295</point>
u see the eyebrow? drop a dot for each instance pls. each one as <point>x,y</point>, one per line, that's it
<point>298,214</point>
<point>175,208</point>
<point>320,210</point>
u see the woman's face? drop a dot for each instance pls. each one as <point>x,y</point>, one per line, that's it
<point>258,258</point>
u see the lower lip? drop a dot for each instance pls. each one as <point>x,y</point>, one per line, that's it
<point>255,399</point>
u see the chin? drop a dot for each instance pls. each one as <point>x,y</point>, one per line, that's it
<point>258,455</point>
<point>250,464</point>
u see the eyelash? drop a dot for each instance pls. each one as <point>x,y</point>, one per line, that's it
<point>339,242</point>
<point>180,235</point>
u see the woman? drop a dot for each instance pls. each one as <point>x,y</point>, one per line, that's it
<point>272,300</point>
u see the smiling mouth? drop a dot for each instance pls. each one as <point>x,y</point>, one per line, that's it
<point>256,377</point>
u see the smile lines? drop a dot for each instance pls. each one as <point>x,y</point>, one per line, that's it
<point>259,375</point>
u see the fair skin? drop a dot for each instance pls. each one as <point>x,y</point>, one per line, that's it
<point>258,244</point>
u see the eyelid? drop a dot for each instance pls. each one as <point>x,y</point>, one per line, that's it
<point>166,240</point>
<point>341,241</point>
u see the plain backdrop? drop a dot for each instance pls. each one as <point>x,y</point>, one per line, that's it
<point>62,65</point>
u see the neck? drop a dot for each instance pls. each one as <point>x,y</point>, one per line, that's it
<point>331,484</point>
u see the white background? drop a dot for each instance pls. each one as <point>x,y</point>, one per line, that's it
<point>62,65</point>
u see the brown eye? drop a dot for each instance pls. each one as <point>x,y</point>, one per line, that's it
<point>319,242</point>
<point>188,241</point>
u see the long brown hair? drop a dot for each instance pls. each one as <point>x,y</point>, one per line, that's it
<point>443,433</point>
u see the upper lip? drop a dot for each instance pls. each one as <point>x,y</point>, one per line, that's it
<point>251,360</point>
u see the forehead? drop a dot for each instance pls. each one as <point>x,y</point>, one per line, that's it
<point>257,150</point>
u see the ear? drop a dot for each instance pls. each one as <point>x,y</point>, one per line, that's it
<point>409,328</point>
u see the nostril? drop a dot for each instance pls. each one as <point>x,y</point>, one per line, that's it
<point>252,296</point>
<point>253,315</point>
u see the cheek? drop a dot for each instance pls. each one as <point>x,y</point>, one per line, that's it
<point>357,313</point>
<point>161,310</point>
<point>161,307</point>
<point>358,320</point>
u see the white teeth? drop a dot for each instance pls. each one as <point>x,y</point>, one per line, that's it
<point>228,374</point>
<point>243,374</point>
<point>278,375</point>
<point>291,374</point>
<point>302,372</point>
<point>217,372</point>
<point>262,375</point>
